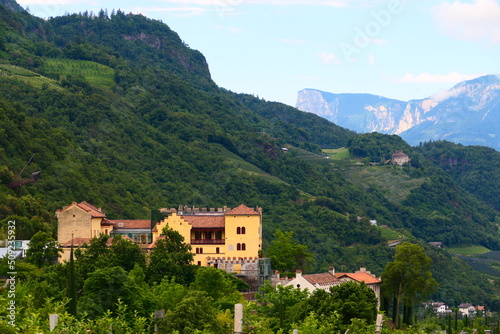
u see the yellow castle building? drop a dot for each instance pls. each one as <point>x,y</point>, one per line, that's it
<point>229,239</point>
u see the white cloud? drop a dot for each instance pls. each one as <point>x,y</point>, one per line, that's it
<point>452,77</point>
<point>371,60</point>
<point>476,21</point>
<point>329,58</point>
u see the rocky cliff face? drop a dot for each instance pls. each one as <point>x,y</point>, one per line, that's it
<point>468,113</point>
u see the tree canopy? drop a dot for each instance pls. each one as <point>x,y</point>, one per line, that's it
<point>408,278</point>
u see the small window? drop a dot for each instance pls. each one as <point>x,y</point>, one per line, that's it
<point>201,250</point>
<point>243,230</point>
<point>199,263</point>
<point>243,247</point>
<point>238,247</point>
<point>217,250</point>
<point>238,230</point>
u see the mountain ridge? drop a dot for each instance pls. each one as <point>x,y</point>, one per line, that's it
<point>460,114</point>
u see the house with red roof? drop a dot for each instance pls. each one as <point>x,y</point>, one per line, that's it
<point>399,158</point>
<point>327,280</point>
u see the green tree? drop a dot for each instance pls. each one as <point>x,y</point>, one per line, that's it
<point>94,256</point>
<point>195,312</point>
<point>126,254</point>
<point>43,250</point>
<point>72,303</point>
<point>218,285</point>
<point>104,288</point>
<point>167,294</point>
<point>354,300</point>
<point>408,277</point>
<point>278,304</point>
<point>287,255</point>
<point>340,305</point>
<point>171,257</point>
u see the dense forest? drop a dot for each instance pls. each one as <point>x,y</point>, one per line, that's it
<point>118,111</point>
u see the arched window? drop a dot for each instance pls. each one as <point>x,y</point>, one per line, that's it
<point>238,247</point>
<point>243,247</point>
<point>243,230</point>
<point>238,230</point>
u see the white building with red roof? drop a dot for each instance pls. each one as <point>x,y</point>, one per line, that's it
<point>327,280</point>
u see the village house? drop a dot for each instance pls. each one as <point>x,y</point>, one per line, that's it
<point>438,308</point>
<point>466,309</point>
<point>327,280</point>
<point>399,158</point>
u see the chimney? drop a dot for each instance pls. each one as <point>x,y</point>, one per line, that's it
<point>298,273</point>
<point>331,270</point>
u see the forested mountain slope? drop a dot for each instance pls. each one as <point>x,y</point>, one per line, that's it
<point>121,113</point>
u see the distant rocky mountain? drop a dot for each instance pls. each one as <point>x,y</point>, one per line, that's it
<point>468,113</point>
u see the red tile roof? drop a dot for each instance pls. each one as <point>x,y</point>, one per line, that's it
<point>197,221</point>
<point>359,277</point>
<point>76,242</point>
<point>242,209</point>
<point>205,221</point>
<point>322,279</point>
<point>134,223</point>
<point>95,212</point>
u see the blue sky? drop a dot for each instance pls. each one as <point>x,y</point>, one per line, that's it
<point>401,49</point>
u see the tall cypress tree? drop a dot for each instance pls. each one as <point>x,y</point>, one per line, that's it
<point>72,285</point>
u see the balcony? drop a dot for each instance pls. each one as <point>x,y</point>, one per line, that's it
<point>207,241</point>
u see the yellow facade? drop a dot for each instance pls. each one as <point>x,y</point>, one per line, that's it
<point>231,235</point>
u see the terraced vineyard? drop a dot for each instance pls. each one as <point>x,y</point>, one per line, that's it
<point>484,265</point>
<point>95,73</point>
<point>9,72</point>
